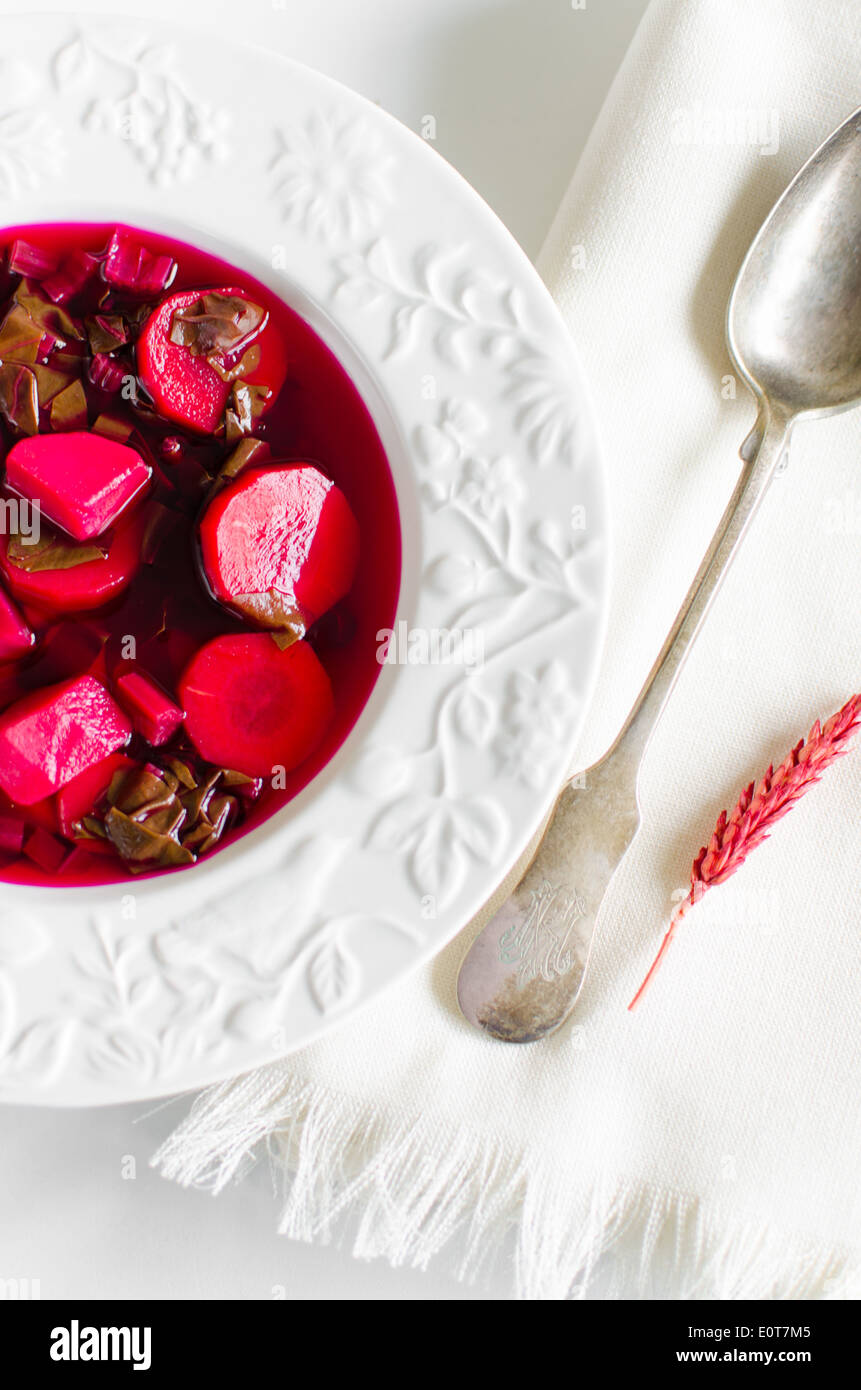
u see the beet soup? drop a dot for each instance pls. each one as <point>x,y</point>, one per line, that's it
<point>199,543</point>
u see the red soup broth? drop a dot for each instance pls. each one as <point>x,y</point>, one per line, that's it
<point>318,416</point>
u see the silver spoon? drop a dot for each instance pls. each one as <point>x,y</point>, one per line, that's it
<point>794,333</point>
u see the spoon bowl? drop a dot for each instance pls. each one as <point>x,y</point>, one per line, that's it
<point>794,316</point>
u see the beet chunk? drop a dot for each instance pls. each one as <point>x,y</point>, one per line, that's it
<point>254,707</point>
<point>12,833</point>
<point>15,636</point>
<point>46,850</point>
<point>79,797</point>
<point>50,737</point>
<point>56,578</point>
<point>129,266</point>
<point>152,712</point>
<point>280,540</point>
<point>81,481</point>
<point>180,376</point>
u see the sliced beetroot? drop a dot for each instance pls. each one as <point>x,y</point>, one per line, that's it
<point>280,540</point>
<point>54,578</point>
<point>46,850</point>
<point>12,833</point>
<point>81,796</point>
<point>253,707</point>
<point>74,342</point>
<point>150,709</point>
<point>16,637</point>
<point>34,261</point>
<point>130,266</point>
<point>42,813</point>
<point>55,734</point>
<point>74,273</point>
<point>81,481</point>
<point>106,373</point>
<point>183,382</point>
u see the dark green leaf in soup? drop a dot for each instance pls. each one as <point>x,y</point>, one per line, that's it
<point>19,397</point>
<point>217,325</point>
<point>69,408</point>
<point>52,551</point>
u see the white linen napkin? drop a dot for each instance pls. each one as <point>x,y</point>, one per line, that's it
<point>707,1145</point>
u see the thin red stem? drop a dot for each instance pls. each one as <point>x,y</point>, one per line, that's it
<point>662,951</point>
<point>758,808</point>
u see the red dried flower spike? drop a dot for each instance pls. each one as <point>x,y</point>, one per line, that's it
<point>757,810</point>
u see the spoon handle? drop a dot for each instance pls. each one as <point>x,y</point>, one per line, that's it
<point>762,452</point>
<point>523,973</point>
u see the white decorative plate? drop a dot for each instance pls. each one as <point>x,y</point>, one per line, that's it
<point>111,994</point>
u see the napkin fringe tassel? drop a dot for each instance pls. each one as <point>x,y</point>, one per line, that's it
<point>412,1193</point>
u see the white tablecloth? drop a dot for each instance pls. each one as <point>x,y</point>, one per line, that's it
<point>67,1216</point>
<point>707,1145</point>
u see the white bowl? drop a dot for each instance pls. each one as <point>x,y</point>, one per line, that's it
<point>467,368</point>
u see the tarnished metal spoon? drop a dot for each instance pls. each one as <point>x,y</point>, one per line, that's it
<point>794,333</point>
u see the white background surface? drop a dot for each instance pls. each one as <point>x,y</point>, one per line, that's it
<point>514,86</point>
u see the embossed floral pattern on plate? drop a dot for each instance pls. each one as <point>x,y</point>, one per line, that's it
<point>113,993</point>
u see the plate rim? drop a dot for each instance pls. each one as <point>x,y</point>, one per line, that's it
<point>103,1090</point>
